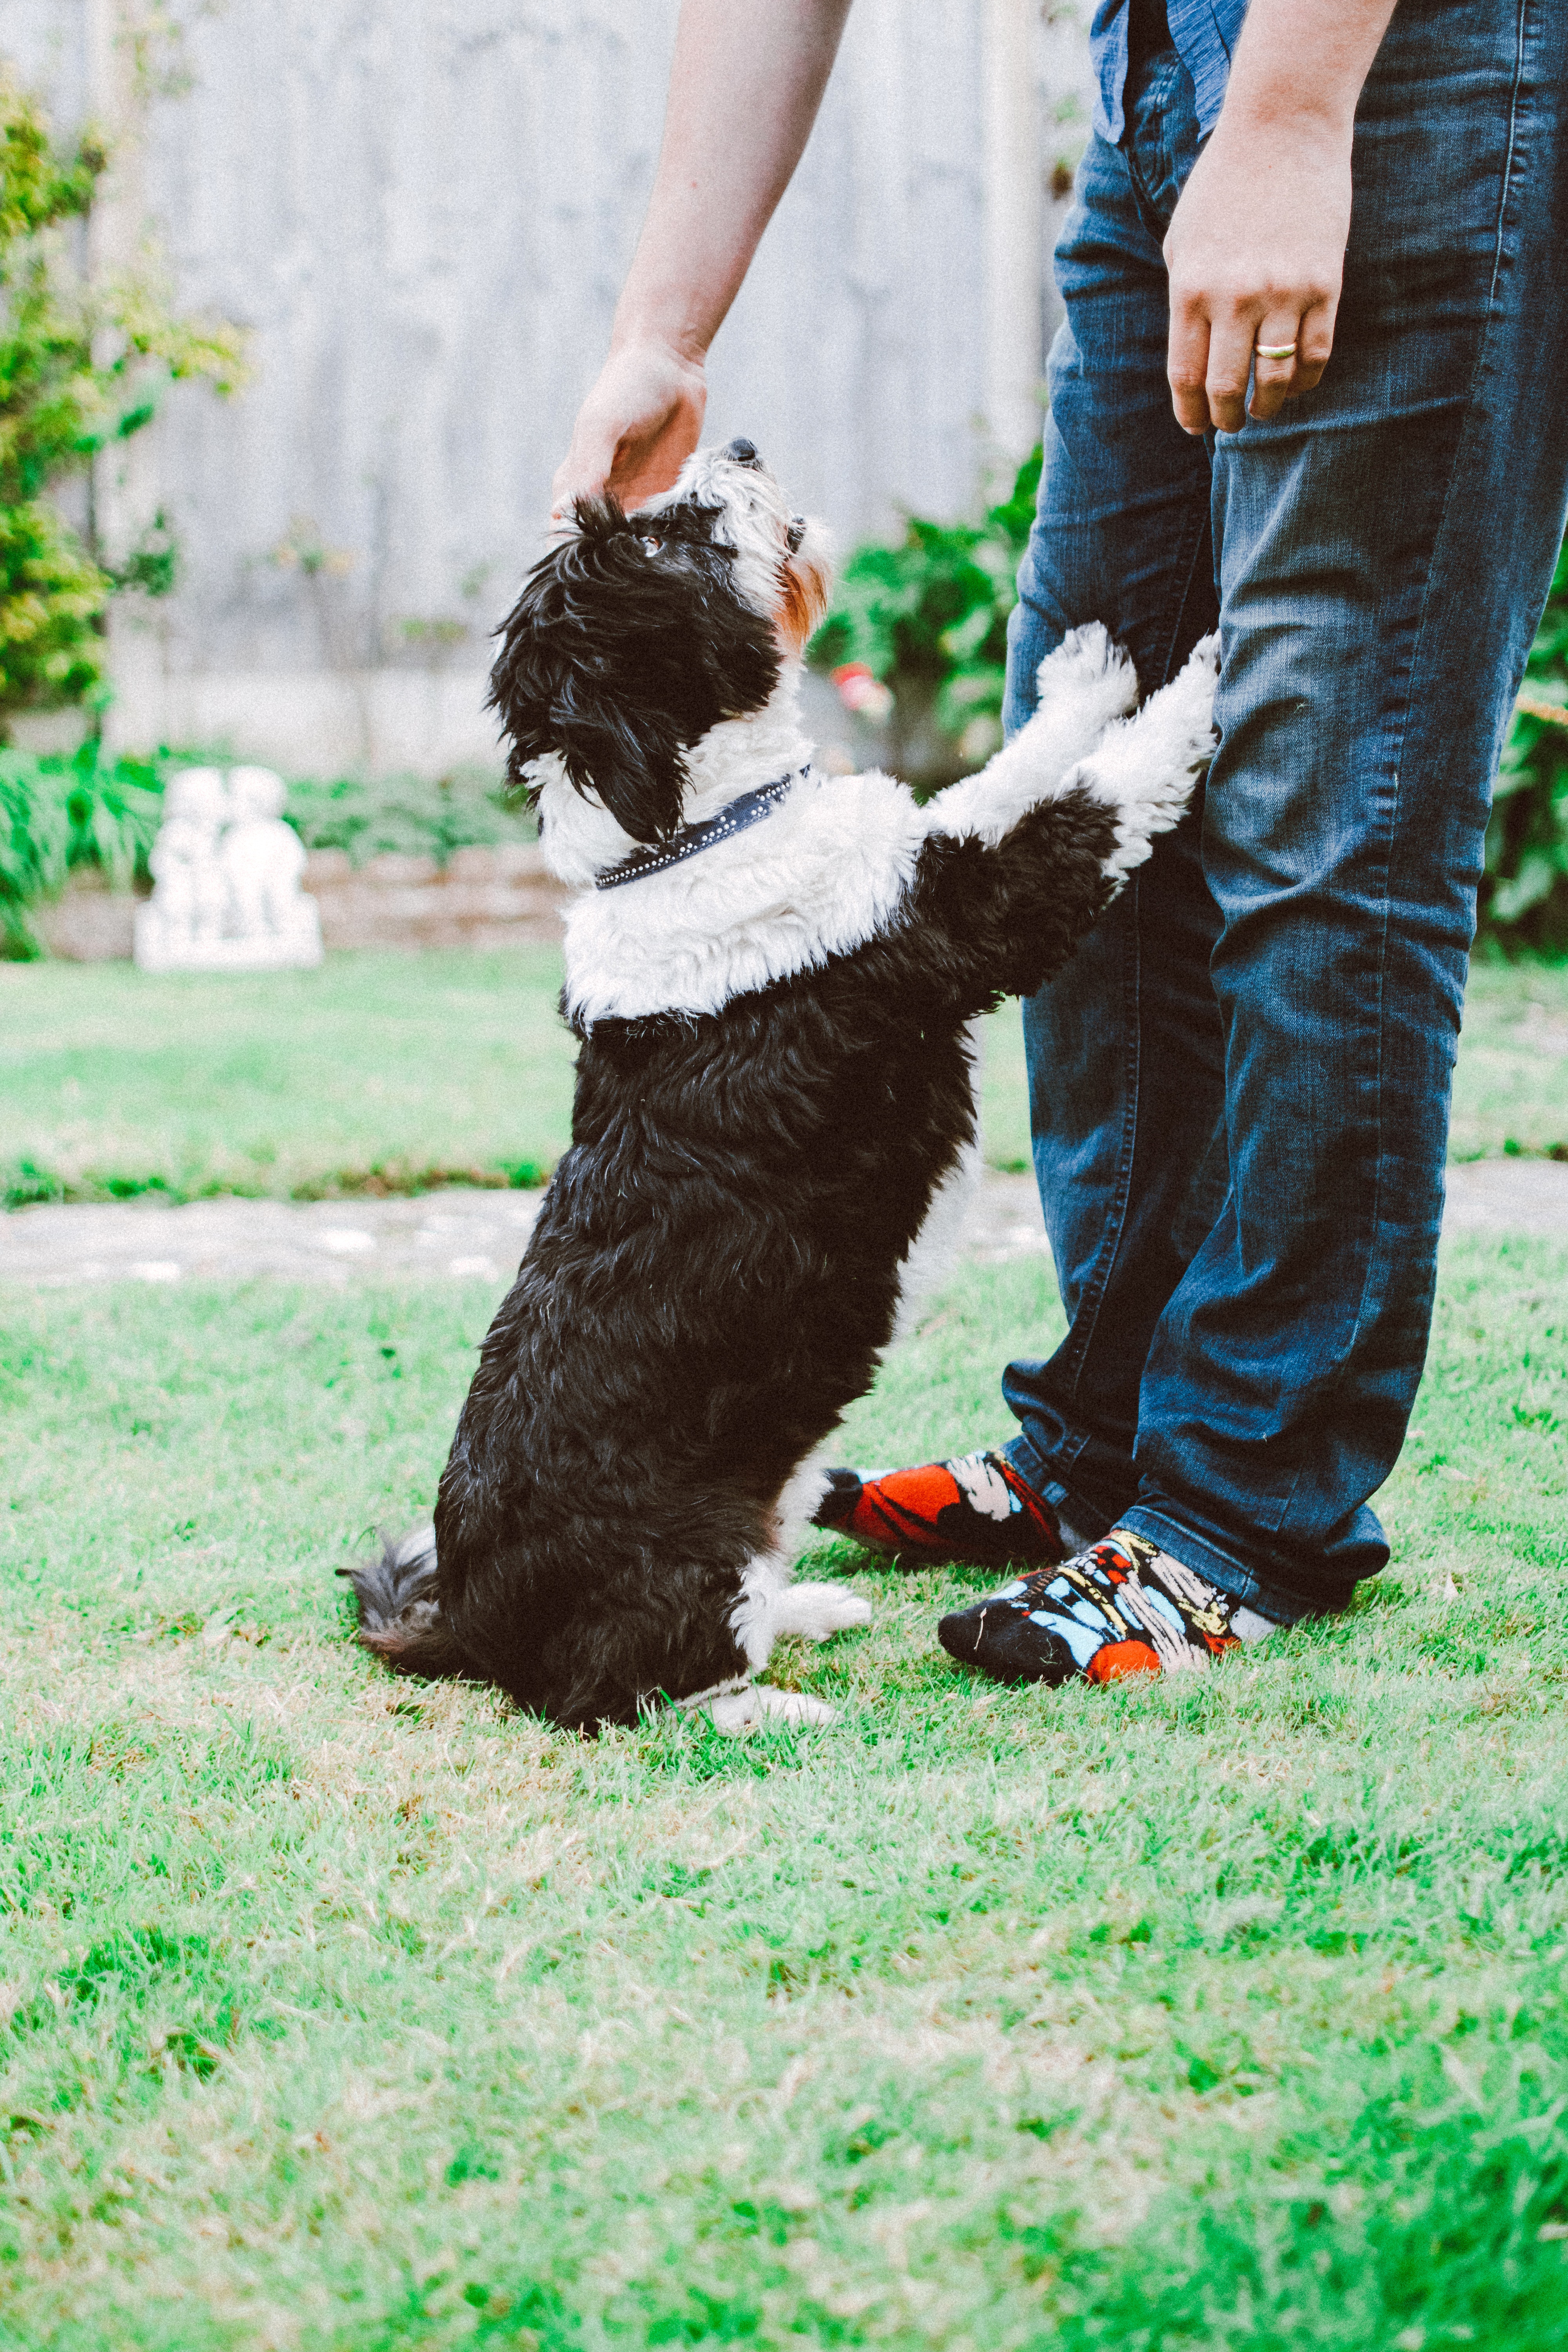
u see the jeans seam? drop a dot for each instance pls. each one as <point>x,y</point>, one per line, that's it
<point>1197,519</point>
<point>1099,1282</point>
<point>1522,11</point>
<point>1148,206</point>
<point>1505,199</point>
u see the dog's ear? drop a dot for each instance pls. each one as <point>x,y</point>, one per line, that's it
<point>628,752</point>
<point>803,582</point>
<point>562,682</point>
<point>625,647</point>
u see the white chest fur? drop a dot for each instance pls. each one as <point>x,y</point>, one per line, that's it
<point>816,878</point>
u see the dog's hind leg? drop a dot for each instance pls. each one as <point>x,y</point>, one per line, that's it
<point>929,1260</point>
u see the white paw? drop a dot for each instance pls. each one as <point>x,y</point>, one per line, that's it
<point>1087,668</point>
<point>1185,709</point>
<point>1144,767</point>
<point>742,1710</point>
<point>1084,687</point>
<point>816,1611</point>
<point>794,1706</point>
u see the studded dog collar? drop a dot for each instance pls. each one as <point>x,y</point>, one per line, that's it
<point>734,817</point>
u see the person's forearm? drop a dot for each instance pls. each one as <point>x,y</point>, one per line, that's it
<point>747,81</point>
<point>1255,247</point>
<point>1300,64</point>
<point>744,89</point>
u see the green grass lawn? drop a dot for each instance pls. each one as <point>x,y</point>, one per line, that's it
<point>377,1073</point>
<point>388,1073</point>
<point>349,2016</point>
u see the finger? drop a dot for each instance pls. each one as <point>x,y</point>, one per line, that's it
<point>586,466</point>
<point>1229,369</point>
<point>646,468</point>
<point>1274,353</point>
<point>1187,365</point>
<point>1315,342</point>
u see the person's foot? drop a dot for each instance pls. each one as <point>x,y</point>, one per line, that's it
<point>975,1509</point>
<point>1120,1607</point>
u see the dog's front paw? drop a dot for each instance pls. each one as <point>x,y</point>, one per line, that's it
<point>816,1611</point>
<point>1186,711</point>
<point>742,1710</point>
<point>1144,766</point>
<point>1088,669</point>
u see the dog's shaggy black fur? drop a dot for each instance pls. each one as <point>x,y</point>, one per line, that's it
<point>627,645</point>
<point>717,1262</point>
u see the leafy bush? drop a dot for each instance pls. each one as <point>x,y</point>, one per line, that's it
<point>929,619</point>
<point>57,814</point>
<point>1524,894</point>
<point>81,367</point>
<point>367,817</point>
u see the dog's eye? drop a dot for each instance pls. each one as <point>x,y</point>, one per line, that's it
<point>795,533</point>
<point>652,546</point>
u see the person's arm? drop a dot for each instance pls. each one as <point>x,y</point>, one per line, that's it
<point>747,81</point>
<point>1256,246</point>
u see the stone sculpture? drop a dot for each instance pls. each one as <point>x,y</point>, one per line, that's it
<point>226,873</point>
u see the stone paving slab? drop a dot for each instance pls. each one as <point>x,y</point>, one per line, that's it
<point>473,1235</point>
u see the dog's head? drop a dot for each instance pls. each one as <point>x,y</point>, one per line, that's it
<point>637,633</point>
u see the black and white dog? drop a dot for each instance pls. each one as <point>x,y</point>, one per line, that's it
<point>772,972</point>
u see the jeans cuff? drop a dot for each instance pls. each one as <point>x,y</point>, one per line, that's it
<point>1196,1553</point>
<point>1081,1516</point>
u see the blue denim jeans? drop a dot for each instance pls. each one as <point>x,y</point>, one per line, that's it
<point>1240,1085</point>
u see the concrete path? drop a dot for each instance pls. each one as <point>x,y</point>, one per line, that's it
<point>479,1236</point>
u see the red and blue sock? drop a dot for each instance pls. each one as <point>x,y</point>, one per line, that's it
<point>1120,1607</point>
<point>974,1508</point>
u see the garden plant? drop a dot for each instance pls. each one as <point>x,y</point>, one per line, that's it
<point>82,363</point>
<point>60,812</point>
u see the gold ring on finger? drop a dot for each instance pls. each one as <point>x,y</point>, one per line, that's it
<point>1275,350</point>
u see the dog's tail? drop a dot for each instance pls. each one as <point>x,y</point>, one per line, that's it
<point>399,1608</point>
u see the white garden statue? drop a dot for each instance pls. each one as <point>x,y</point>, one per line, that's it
<point>225,874</point>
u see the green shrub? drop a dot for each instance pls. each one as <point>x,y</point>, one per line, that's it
<point>81,366</point>
<point>57,814</point>
<point>929,619</point>
<point>1524,894</point>
<point>368,816</point>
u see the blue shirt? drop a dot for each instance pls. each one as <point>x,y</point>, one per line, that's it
<point>1205,33</point>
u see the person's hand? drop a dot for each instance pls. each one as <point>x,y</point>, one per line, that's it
<point>1256,253</point>
<point>636,428</point>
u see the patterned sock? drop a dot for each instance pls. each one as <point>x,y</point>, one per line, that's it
<point>975,1509</point>
<point>1122,1607</point>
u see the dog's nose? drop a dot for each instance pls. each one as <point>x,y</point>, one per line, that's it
<point>742,453</point>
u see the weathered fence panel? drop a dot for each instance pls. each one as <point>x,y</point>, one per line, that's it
<point>422,209</point>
